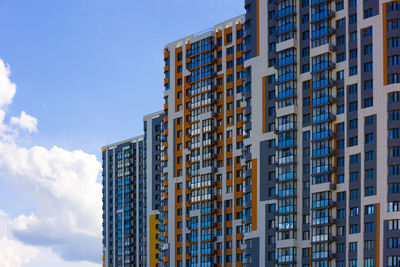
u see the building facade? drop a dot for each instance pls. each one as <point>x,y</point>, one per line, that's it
<point>131,178</point>
<point>268,147</point>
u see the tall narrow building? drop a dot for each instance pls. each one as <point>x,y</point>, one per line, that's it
<point>202,208</point>
<point>268,150</point>
<point>131,180</point>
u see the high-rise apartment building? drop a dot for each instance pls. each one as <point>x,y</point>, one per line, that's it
<point>131,180</point>
<point>202,198</point>
<point>270,135</point>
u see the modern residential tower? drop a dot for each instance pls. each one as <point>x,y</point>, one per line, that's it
<point>131,180</point>
<point>269,139</point>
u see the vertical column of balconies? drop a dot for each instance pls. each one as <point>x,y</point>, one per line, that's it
<point>286,130</point>
<point>201,165</point>
<point>163,216</point>
<point>323,153</point>
<point>250,43</point>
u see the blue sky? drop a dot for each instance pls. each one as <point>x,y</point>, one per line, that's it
<point>89,70</point>
<point>85,73</point>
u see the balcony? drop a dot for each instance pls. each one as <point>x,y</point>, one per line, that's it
<point>287,193</point>
<point>287,209</point>
<point>285,11</point>
<point>286,127</point>
<point>322,15</point>
<point>322,32</point>
<point>315,2</point>
<point>287,77</point>
<point>286,94</point>
<point>323,135</point>
<point>323,152</point>
<point>322,169</point>
<point>287,143</point>
<point>323,117</point>
<point>286,28</point>
<point>323,100</point>
<point>325,203</point>
<point>286,160</point>
<point>287,259</point>
<point>286,176</point>
<point>326,65</point>
<point>286,61</point>
<point>286,226</point>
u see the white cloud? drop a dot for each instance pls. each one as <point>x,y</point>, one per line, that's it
<point>25,122</point>
<point>7,88</point>
<point>47,257</point>
<point>12,252</point>
<point>60,183</point>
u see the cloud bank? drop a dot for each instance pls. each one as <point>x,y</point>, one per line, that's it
<point>62,185</point>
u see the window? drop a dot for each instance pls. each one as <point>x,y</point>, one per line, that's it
<point>393,242</point>
<point>368,67</point>
<point>340,75</point>
<point>354,229</point>
<point>353,53</point>
<point>368,49</point>
<point>341,213</point>
<point>394,188</point>
<point>353,124</point>
<point>394,60</point>
<point>354,176</point>
<point>368,85</point>
<point>369,155</point>
<point>229,38</point>
<point>394,24</point>
<point>369,191</point>
<point>306,52</point>
<point>367,31</point>
<point>369,245</point>
<point>340,23</point>
<point>307,84</point>
<point>352,3</point>
<point>393,225</point>
<point>340,92</point>
<point>354,194</point>
<point>394,78</point>
<point>353,247</point>
<point>340,109</point>
<point>354,158</point>
<point>340,57</point>
<point>340,127</point>
<point>352,263</point>
<point>353,36</point>
<point>394,206</point>
<point>352,18</point>
<point>305,19</point>
<point>368,102</point>
<point>306,68</point>
<point>353,89</point>
<point>369,120</point>
<point>394,42</point>
<point>353,71</point>
<point>369,173</point>
<point>340,40</point>
<point>306,35</point>
<point>369,138</point>
<point>339,6</point>
<point>340,144</point>
<point>368,13</point>
<point>353,106</point>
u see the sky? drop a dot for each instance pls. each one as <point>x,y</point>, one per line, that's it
<point>76,75</point>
